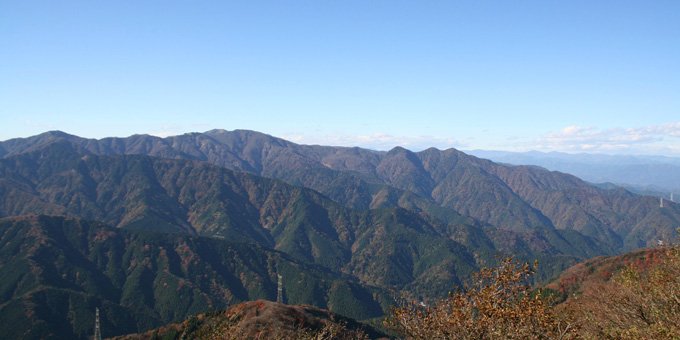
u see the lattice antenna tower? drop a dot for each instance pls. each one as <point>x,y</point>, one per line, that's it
<point>97,329</point>
<point>279,293</point>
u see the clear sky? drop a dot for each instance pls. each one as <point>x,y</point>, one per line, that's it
<point>594,76</point>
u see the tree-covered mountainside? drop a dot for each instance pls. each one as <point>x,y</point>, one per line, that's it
<point>390,247</point>
<point>55,271</point>
<point>203,221</point>
<point>453,186</point>
<point>631,296</point>
<point>593,272</point>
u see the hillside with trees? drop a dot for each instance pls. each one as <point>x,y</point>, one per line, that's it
<point>55,271</point>
<point>631,296</point>
<point>155,230</point>
<point>448,184</point>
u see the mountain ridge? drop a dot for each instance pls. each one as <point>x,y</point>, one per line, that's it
<point>183,196</point>
<point>348,224</point>
<point>449,184</point>
<point>638,172</point>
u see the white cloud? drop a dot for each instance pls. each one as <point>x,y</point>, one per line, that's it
<point>592,139</point>
<point>667,129</point>
<point>164,134</point>
<point>38,125</point>
<point>166,131</point>
<point>377,141</point>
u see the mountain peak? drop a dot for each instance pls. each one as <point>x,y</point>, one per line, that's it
<point>398,150</point>
<point>57,133</point>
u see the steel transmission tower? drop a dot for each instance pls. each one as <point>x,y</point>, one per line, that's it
<point>97,329</point>
<point>279,293</point>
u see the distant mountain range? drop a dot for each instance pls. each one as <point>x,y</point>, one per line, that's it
<point>214,217</point>
<point>650,175</point>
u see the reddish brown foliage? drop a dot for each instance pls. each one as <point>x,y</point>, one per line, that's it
<point>499,306</point>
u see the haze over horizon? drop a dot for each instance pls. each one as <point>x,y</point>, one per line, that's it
<point>572,77</point>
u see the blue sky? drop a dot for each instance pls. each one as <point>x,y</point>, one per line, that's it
<point>593,76</point>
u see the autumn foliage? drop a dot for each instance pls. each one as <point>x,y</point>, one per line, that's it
<point>641,302</point>
<point>500,305</point>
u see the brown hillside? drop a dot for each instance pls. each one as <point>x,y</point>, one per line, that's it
<point>592,272</point>
<point>263,319</point>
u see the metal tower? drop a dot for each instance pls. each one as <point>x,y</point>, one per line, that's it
<point>279,293</point>
<point>97,329</point>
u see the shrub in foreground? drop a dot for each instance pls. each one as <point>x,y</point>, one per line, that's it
<point>500,305</point>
